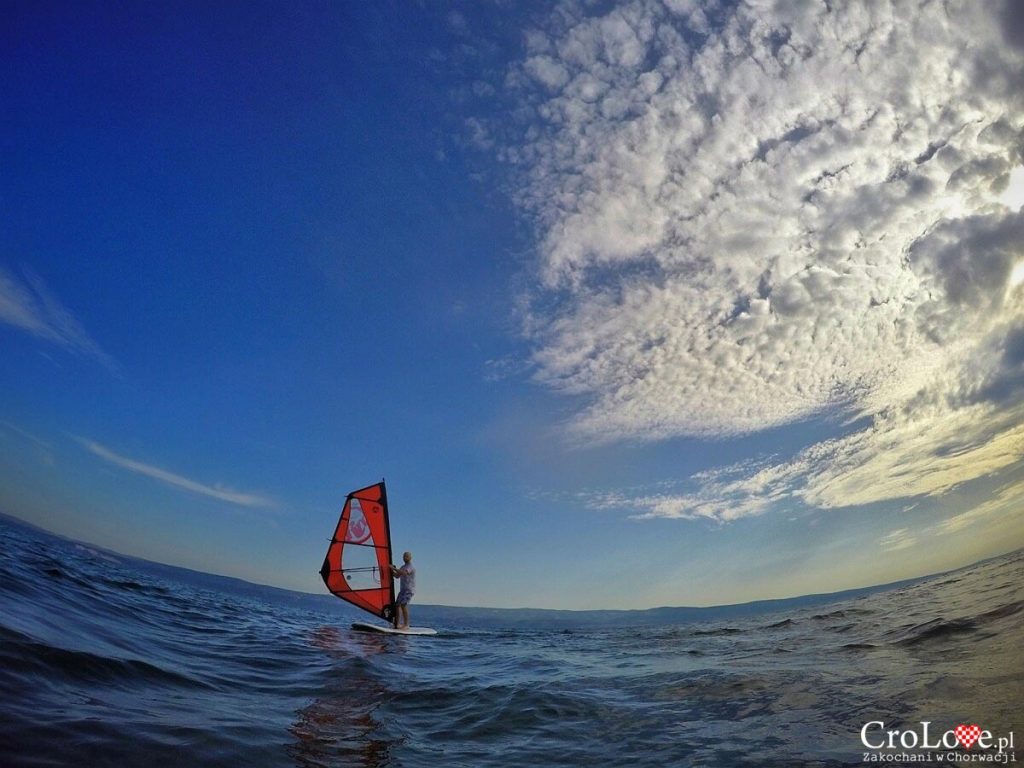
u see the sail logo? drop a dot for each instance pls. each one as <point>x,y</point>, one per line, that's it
<point>894,745</point>
<point>358,529</point>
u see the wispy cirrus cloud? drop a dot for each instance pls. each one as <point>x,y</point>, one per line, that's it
<point>219,492</point>
<point>29,306</point>
<point>902,538</point>
<point>902,454</point>
<point>1009,501</point>
<point>728,493</point>
<point>756,213</point>
<point>42,449</point>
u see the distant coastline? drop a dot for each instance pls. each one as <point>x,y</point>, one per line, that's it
<point>513,618</point>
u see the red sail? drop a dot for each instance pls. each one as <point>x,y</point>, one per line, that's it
<point>357,566</point>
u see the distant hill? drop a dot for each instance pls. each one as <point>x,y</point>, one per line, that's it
<point>456,616</point>
<point>540,618</point>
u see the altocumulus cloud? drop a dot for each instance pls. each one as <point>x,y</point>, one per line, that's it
<point>752,214</point>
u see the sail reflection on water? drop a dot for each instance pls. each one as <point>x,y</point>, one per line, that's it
<point>341,726</point>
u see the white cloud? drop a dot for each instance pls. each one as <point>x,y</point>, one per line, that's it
<point>897,540</point>
<point>39,447</point>
<point>174,480</point>
<point>729,493</point>
<point>39,442</point>
<point>1012,195</point>
<point>547,71</point>
<point>1007,501</point>
<point>901,455</point>
<point>29,306</point>
<point>756,215</point>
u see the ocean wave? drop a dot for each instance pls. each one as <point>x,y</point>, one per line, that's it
<point>717,632</point>
<point>25,657</point>
<point>111,663</point>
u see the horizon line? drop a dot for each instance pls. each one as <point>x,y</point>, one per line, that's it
<point>576,611</point>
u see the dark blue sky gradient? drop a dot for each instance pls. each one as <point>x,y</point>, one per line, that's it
<point>300,274</point>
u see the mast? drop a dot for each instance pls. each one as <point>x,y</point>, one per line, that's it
<point>391,554</point>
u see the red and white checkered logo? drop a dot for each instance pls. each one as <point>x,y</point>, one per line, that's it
<point>967,734</point>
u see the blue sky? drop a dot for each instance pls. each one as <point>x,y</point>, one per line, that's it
<point>633,304</point>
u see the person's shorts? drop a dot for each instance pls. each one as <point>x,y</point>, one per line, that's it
<point>404,596</point>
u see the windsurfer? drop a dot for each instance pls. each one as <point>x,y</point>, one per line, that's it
<point>407,583</point>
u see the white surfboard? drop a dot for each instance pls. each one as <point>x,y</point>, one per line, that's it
<point>361,627</point>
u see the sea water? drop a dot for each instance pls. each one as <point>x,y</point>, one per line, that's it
<point>105,661</point>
